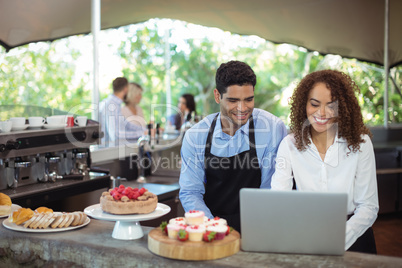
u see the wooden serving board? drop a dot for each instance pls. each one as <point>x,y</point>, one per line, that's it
<point>160,244</point>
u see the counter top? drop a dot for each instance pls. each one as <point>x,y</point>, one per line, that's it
<point>101,154</point>
<point>93,246</point>
<point>38,194</point>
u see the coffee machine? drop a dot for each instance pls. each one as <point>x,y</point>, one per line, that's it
<point>44,155</point>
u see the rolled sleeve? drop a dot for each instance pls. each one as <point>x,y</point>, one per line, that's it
<point>192,177</point>
<point>365,195</point>
<point>283,176</point>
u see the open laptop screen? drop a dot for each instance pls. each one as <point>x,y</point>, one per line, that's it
<point>292,221</point>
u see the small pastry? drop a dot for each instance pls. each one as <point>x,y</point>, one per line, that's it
<point>194,217</point>
<point>219,229</point>
<point>195,232</point>
<point>173,229</point>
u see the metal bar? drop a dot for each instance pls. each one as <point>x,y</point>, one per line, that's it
<point>168,74</point>
<point>386,64</point>
<point>96,24</point>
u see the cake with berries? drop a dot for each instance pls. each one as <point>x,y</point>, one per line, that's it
<point>126,200</point>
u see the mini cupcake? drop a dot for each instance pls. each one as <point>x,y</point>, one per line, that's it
<point>178,220</point>
<point>219,229</point>
<point>216,220</point>
<point>195,232</point>
<point>194,217</point>
<point>173,229</point>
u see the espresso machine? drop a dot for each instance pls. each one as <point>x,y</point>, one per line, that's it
<point>42,155</point>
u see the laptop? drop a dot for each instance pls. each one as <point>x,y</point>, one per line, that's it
<point>293,221</point>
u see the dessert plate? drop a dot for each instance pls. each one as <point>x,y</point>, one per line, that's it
<point>54,126</point>
<point>16,128</point>
<point>20,228</point>
<point>96,212</point>
<point>14,207</point>
<point>127,227</point>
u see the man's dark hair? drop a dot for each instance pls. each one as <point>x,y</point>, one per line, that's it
<point>234,73</point>
<point>119,84</point>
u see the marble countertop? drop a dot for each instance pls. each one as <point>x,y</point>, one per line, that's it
<point>93,246</point>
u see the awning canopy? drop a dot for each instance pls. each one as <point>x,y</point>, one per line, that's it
<point>350,28</point>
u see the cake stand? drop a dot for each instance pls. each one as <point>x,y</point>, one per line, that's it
<point>127,227</point>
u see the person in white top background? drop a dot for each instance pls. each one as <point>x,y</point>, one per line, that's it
<point>117,130</point>
<point>132,110</point>
<point>329,150</point>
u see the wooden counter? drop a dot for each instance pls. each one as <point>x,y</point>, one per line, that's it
<point>93,246</point>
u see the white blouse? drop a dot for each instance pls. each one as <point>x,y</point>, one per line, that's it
<point>353,173</point>
<point>137,119</point>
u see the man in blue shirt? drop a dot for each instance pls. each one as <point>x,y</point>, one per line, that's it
<point>229,150</point>
<point>114,125</point>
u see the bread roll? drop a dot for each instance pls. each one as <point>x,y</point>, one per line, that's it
<point>44,210</point>
<point>22,215</point>
<point>5,204</point>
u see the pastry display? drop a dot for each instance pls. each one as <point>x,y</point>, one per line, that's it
<point>126,200</point>
<point>207,230</point>
<point>44,218</point>
<point>5,204</point>
<point>212,239</point>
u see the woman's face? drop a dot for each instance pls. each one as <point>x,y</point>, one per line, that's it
<point>321,110</point>
<point>182,104</point>
<point>137,99</point>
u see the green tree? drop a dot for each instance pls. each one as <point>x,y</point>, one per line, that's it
<point>38,74</point>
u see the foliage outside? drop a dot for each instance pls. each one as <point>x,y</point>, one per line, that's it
<point>49,74</point>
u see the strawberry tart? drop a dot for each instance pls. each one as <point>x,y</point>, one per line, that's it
<point>126,200</point>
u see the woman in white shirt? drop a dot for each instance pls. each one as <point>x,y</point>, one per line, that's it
<point>329,150</point>
<point>132,111</point>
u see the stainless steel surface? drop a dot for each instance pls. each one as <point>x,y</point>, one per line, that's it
<point>45,155</point>
<point>142,141</point>
<point>22,164</point>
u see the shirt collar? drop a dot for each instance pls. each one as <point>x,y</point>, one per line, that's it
<point>116,99</point>
<point>220,134</point>
<point>336,140</point>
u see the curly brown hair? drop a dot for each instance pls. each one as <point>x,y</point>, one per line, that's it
<point>349,120</point>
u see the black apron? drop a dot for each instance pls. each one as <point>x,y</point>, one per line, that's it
<point>225,176</point>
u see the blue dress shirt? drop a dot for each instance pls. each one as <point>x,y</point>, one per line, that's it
<point>113,123</point>
<point>269,132</point>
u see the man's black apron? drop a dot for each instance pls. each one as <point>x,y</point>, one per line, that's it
<point>225,176</point>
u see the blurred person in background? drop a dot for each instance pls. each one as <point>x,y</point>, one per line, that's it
<point>132,111</point>
<point>187,108</point>
<point>113,123</point>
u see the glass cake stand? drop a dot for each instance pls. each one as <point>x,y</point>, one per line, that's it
<point>127,227</point>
